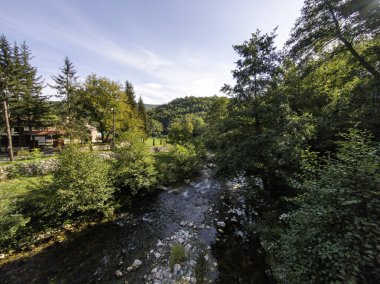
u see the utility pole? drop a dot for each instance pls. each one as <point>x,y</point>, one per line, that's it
<point>113,130</point>
<point>10,146</point>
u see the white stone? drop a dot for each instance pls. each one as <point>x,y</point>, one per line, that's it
<point>207,257</point>
<point>157,255</point>
<point>177,269</point>
<point>180,240</point>
<point>221,224</point>
<point>137,263</point>
<point>118,273</point>
<point>188,247</point>
<point>193,280</point>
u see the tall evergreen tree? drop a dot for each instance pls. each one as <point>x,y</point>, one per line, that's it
<point>131,97</point>
<point>66,85</point>
<point>142,114</point>
<point>7,84</point>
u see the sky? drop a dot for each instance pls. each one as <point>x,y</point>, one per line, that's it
<point>165,48</point>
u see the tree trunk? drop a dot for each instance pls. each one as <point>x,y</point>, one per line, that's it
<point>10,146</point>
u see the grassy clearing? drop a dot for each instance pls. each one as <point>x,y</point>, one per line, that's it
<point>159,142</point>
<point>11,190</point>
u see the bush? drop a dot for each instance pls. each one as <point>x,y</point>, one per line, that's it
<point>81,185</point>
<point>185,162</point>
<point>11,224</point>
<point>333,237</point>
<point>134,168</point>
<point>177,255</point>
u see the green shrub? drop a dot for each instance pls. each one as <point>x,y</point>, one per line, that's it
<point>177,255</point>
<point>81,186</point>
<point>185,162</point>
<point>134,168</point>
<point>333,236</point>
<point>24,154</point>
<point>11,224</point>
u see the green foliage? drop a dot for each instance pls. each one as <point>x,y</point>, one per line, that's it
<point>260,135</point>
<point>185,161</point>
<point>186,128</point>
<point>177,255</point>
<point>134,169</point>
<point>333,235</point>
<point>11,224</point>
<point>338,23</point>
<point>201,268</point>
<point>80,188</point>
<point>180,107</point>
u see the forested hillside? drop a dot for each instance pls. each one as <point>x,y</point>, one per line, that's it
<point>180,107</point>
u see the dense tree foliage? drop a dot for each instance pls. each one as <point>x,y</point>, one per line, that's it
<point>334,234</point>
<point>179,107</point>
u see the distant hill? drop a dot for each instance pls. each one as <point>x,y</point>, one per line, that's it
<point>182,106</point>
<point>149,107</point>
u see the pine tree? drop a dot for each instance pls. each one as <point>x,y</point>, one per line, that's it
<point>66,85</point>
<point>7,84</point>
<point>131,97</point>
<point>142,114</point>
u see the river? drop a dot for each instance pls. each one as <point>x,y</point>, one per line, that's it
<point>206,216</point>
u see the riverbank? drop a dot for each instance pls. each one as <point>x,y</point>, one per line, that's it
<point>205,215</point>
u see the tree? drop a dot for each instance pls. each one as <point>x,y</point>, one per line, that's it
<point>142,115</point>
<point>7,84</point>
<point>28,104</point>
<point>333,235</point>
<point>66,85</point>
<point>325,23</point>
<point>260,136</point>
<point>100,95</point>
<point>131,97</point>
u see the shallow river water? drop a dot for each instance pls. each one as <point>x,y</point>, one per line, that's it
<point>194,209</point>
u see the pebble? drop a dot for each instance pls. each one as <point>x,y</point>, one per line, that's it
<point>157,255</point>
<point>118,273</point>
<point>221,224</point>
<point>177,269</point>
<point>180,240</point>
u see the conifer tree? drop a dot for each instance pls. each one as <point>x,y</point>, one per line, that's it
<point>142,114</point>
<point>7,85</point>
<point>66,85</point>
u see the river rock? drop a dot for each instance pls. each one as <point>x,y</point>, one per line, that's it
<point>193,280</point>
<point>207,257</point>
<point>177,269</point>
<point>2,256</point>
<point>188,247</point>
<point>221,231</point>
<point>180,240</point>
<point>161,187</point>
<point>221,224</point>
<point>192,262</point>
<point>157,255</point>
<point>137,263</point>
<point>118,273</point>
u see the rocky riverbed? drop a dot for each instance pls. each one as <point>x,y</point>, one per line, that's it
<point>205,216</point>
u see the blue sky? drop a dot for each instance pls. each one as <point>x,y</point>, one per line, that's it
<point>165,48</point>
